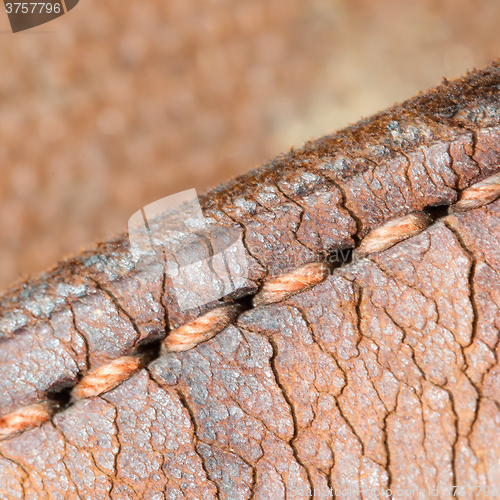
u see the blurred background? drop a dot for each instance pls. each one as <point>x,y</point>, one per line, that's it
<point>122,102</point>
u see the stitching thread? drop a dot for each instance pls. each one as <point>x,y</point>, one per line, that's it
<point>200,329</point>
<point>281,287</point>
<point>478,194</point>
<point>393,232</point>
<point>188,336</point>
<point>24,419</point>
<point>106,377</point>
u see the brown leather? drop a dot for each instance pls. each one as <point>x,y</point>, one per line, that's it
<point>384,374</point>
<point>116,105</point>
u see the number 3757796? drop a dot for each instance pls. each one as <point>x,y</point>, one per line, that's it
<point>33,8</point>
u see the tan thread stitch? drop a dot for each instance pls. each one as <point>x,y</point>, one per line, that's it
<point>478,194</point>
<point>393,232</point>
<point>24,419</point>
<point>106,377</point>
<point>281,287</point>
<point>201,329</point>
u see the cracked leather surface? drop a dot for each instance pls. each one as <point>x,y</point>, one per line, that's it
<point>386,374</point>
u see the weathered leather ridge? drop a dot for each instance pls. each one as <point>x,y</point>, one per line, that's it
<point>383,375</point>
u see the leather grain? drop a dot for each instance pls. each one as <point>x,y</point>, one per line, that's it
<point>383,375</point>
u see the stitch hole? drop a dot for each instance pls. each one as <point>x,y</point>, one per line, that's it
<point>60,398</point>
<point>245,303</point>
<point>340,257</point>
<point>149,351</point>
<point>437,211</point>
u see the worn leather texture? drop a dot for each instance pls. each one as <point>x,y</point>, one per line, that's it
<point>384,375</point>
<point>120,103</point>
